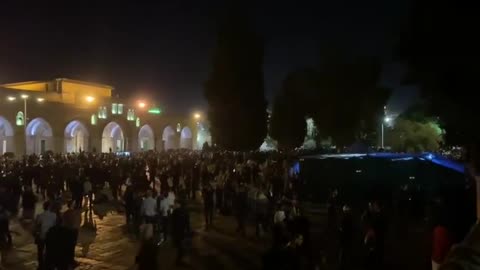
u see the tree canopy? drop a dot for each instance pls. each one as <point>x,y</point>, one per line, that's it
<point>235,88</point>
<point>413,136</point>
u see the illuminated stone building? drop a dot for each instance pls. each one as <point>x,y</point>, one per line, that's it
<point>66,115</point>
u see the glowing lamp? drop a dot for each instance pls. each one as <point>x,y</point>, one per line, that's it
<point>89,99</point>
<point>142,104</point>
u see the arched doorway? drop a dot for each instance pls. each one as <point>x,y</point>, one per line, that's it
<point>6,136</point>
<point>39,136</point>
<point>169,138</point>
<point>112,138</point>
<point>76,137</point>
<point>186,138</point>
<point>146,139</point>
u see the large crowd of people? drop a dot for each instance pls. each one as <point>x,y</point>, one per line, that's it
<point>153,190</point>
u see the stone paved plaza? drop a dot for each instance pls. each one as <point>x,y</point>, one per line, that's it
<point>111,247</point>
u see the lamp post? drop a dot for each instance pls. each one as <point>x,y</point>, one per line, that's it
<point>384,120</point>
<point>25,115</point>
<point>25,97</point>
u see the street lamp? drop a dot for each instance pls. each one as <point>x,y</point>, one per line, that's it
<point>385,120</point>
<point>197,116</point>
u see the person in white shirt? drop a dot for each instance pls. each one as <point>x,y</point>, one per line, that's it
<point>43,223</point>
<point>149,208</point>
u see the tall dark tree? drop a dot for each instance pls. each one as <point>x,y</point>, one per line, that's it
<point>441,51</point>
<point>287,124</point>
<point>235,88</point>
<point>350,100</point>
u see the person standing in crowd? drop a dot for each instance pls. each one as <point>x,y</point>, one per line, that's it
<point>165,209</point>
<point>181,230</point>
<point>332,205</point>
<point>88,192</point>
<point>71,221</point>
<point>149,208</point>
<point>129,202</point>
<point>241,209</point>
<point>261,209</point>
<point>29,199</point>
<point>57,248</point>
<point>209,206</point>
<point>5,236</point>
<point>346,238</point>
<point>146,258</point>
<point>77,190</point>
<point>43,223</point>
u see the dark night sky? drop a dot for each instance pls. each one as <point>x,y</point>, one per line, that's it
<point>164,50</point>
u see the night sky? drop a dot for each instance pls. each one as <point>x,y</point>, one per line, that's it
<point>164,50</point>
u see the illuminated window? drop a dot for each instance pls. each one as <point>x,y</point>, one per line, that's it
<point>131,115</point>
<point>120,109</point>
<point>114,108</point>
<point>19,120</point>
<point>102,112</point>
<point>93,119</point>
<point>137,122</point>
<point>179,127</point>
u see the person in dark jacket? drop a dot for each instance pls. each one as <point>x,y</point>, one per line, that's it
<point>181,230</point>
<point>5,236</point>
<point>208,202</point>
<point>28,203</point>
<point>56,254</point>
<point>346,238</point>
<point>147,255</point>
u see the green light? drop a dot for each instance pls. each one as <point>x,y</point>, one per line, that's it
<point>155,111</point>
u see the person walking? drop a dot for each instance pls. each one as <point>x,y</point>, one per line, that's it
<point>43,223</point>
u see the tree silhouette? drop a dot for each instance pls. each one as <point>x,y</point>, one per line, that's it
<point>235,88</point>
<point>287,124</point>
<point>349,101</point>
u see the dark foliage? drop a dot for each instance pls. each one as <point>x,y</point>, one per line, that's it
<point>235,88</point>
<point>441,50</point>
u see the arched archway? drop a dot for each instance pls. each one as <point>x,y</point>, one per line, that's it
<point>146,138</point>
<point>169,138</point>
<point>6,136</point>
<point>76,137</point>
<point>186,138</point>
<point>112,138</point>
<point>39,136</point>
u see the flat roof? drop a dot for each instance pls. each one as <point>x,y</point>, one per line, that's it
<point>7,85</point>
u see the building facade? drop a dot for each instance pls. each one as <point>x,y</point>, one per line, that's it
<point>67,116</point>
